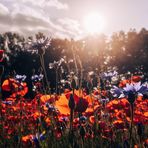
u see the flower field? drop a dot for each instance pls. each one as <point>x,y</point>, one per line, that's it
<point>75,118</point>
<point>54,94</point>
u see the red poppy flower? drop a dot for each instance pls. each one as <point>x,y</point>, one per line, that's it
<point>102,125</point>
<point>124,103</point>
<point>82,105</point>
<point>136,78</point>
<point>76,96</point>
<point>119,124</point>
<point>108,133</point>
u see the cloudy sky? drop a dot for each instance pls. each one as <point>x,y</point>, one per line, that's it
<point>64,18</point>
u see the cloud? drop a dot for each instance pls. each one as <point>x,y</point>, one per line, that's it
<point>3,10</point>
<point>45,3</point>
<point>57,4</point>
<point>29,25</point>
<point>27,17</point>
<point>25,25</point>
<point>71,26</point>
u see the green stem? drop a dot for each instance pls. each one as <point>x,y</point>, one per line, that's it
<point>56,81</point>
<point>131,128</point>
<point>75,62</point>
<point>20,128</point>
<point>46,78</point>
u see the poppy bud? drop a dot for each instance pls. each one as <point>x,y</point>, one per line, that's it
<point>131,97</point>
<point>71,103</point>
<point>73,84</point>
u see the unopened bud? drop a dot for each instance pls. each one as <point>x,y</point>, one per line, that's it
<point>73,84</point>
<point>71,103</point>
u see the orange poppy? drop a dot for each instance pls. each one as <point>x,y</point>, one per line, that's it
<point>21,92</point>
<point>89,111</point>
<point>12,86</point>
<point>36,114</point>
<point>6,86</point>
<point>62,105</point>
<point>26,138</point>
<point>45,98</point>
<point>123,83</point>
<point>48,121</point>
<point>92,119</point>
<point>146,114</point>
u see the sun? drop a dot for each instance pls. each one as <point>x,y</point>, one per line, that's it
<point>94,23</point>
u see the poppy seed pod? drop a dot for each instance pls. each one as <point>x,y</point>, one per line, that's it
<point>71,103</point>
<point>131,97</point>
